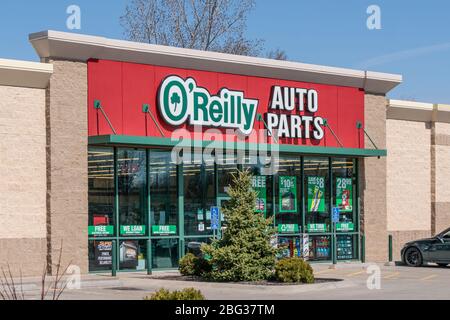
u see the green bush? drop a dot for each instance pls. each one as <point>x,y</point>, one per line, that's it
<point>190,265</point>
<point>187,265</point>
<point>202,266</point>
<point>244,252</point>
<point>185,294</point>
<point>294,270</point>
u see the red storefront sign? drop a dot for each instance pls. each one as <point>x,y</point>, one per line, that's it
<point>224,101</point>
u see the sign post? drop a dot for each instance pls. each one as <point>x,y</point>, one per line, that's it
<point>336,214</point>
<point>335,220</point>
<point>215,220</point>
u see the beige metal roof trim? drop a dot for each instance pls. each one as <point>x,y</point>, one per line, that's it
<point>71,46</point>
<point>27,74</point>
<point>418,111</point>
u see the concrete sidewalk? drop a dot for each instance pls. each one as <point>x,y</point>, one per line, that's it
<point>397,282</point>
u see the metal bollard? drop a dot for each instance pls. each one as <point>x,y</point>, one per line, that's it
<point>363,249</point>
<point>114,259</point>
<point>149,257</point>
<point>390,249</point>
<point>334,243</point>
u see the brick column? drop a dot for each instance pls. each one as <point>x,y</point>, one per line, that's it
<point>440,173</point>
<point>433,174</point>
<point>373,182</point>
<point>67,183</point>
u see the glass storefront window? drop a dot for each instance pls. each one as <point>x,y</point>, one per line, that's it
<point>347,247</point>
<point>344,195</point>
<point>148,198</point>
<point>199,196</point>
<point>100,255</point>
<point>226,167</point>
<point>193,245</point>
<point>133,195</point>
<point>163,194</point>
<point>262,183</point>
<point>132,255</point>
<point>290,247</point>
<point>317,195</point>
<point>165,253</point>
<point>260,165</point>
<point>101,191</point>
<point>319,248</point>
<point>288,218</point>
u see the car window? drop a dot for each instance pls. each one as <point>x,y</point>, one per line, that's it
<point>447,235</point>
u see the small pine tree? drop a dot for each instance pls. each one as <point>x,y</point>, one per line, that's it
<point>244,253</point>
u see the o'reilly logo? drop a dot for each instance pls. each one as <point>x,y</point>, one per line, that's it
<point>180,100</point>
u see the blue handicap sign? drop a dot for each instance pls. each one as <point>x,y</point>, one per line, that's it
<point>215,218</point>
<point>335,215</point>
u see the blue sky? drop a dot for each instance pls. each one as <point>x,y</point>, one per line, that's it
<point>414,40</point>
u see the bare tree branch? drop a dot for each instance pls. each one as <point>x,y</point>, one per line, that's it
<point>216,25</point>
<point>277,54</point>
<point>9,290</point>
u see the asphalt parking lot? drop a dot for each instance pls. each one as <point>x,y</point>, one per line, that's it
<point>386,282</point>
<point>396,282</point>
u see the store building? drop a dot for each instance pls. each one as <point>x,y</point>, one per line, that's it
<point>418,192</point>
<point>136,143</point>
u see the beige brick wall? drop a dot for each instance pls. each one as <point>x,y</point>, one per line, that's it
<point>399,238</point>
<point>442,219</point>
<point>26,256</point>
<point>442,167</point>
<point>67,163</point>
<point>442,173</point>
<point>408,175</point>
<point>373,182</point>
<point>23,179</point>
<point>418,136</point>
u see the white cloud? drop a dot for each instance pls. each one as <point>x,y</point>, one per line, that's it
<point>402,55</point>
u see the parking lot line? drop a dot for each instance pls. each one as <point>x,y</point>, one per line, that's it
<point>392,275</point>
<point>429,277</point>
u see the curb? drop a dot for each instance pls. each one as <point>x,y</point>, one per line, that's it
<point>85,284</point>
<point>173,284</point>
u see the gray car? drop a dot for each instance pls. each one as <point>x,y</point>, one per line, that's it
<point>435,250</point>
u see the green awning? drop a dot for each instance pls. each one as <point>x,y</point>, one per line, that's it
<point>135,141</point>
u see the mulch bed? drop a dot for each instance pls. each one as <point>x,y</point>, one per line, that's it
<point>258,283</point>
